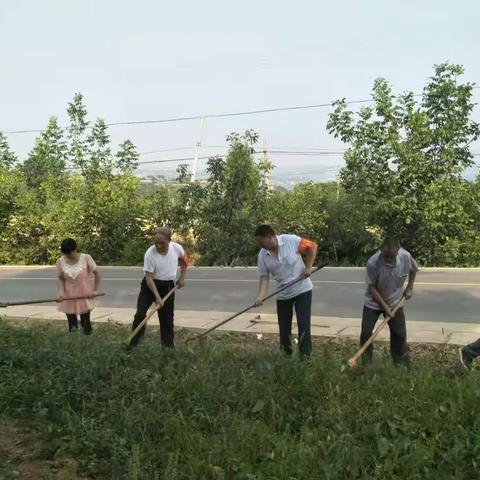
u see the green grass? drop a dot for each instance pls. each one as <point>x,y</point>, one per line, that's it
<point>231,408</point>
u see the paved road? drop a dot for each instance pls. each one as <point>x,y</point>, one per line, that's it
<point>441,295</point>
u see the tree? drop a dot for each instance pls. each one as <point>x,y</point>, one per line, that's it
<point>12,185</point>
<point>127,157</point>
<point>106,206</point>
<point>321,212</point>
<point>78,145</point>
<point>233,203</point>
<point>303,211</point>
<point>100,161</point>
<point>7,158</point>
<point>405,160</point>
<point>182,173</point>
<point>89,202</point>
<point>48,156</point>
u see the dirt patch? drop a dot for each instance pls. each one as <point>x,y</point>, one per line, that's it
<point>15,455</point>
<point>17,461</point>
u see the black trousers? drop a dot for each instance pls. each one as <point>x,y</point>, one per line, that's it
<point>84,322</point>
<point>398,335</point>
<point>303,309</point>
<point>165,314</point>
<point>472,350</point>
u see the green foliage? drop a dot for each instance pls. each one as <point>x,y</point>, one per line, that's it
<point>182,173</point>
<point>405,161</point>
<point>12,183</point>
<point>324,213</point>
<point>304,210</point>
<point>95,200</point>
<point>77,134</point>
<point>127,157</point>
<point>235,408</point>
<point>48,157</point>
<point>404,164</point>
<point>100,161</point>
<point>232,203</point>
<point>7,158</point>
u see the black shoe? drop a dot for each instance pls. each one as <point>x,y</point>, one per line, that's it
<point>464,359</point>
<point>87,327</point>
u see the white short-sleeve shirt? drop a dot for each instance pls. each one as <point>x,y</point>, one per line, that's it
<point>286,267</point>
<point>163,267</point>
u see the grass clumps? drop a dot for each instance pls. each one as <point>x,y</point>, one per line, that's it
<point>230,407</point>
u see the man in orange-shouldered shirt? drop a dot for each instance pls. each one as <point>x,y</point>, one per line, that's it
<point>281,257</point>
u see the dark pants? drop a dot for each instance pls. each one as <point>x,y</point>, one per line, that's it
<point>303,308</point>
<point>398,335</point>
<point>84,322</point>
<point>165,314</point>
<point>472,350</point>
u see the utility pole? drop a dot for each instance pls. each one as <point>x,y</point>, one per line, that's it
<point>197,149</point>
<point>266,162</point>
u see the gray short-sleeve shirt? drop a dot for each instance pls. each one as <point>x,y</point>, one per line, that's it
<point>389,280</point>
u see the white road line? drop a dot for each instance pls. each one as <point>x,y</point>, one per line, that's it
<point>230,280</point>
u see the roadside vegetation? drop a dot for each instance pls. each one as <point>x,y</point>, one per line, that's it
<point>409,171</point>
<point>230,407</point>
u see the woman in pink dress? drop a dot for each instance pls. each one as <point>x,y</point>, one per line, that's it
<point>73,271</point>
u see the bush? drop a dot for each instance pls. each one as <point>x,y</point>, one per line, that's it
<point>133,252</point>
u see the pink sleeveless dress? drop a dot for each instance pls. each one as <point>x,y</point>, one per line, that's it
<point>76,284</point>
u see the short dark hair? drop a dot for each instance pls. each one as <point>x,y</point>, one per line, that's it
<point>391,242</point>
<point>165,231</point>
<point>264,231</point>
<point>68,245</point>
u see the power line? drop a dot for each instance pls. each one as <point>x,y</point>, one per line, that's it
<point>206,157</point>
<point>212,115</point>
<point>235,114</point>
<point>169,160</point>
<point>311,172</point>
<point>175,149</point>
<point>312,150</point>
<point>223,115</point>
<point>307,153</point>
<point>256,152</point>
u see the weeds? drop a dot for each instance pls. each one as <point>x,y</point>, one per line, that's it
<point>232,407</point>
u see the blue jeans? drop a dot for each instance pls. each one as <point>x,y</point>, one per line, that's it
<point>303,308</point>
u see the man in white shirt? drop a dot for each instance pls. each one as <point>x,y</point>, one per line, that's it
<point>281,257</point>
<point>161,263</point>
<point>387,272</point>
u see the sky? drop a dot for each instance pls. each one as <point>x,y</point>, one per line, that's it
<point>150,60</point>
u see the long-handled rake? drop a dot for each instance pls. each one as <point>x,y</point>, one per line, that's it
<point>257,320</point>
<point>276,292</point>
<point>148,317</point>
<point>47,300</point>
<point>352,362</point>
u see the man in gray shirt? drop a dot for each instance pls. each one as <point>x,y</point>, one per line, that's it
<point>387,272</point>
